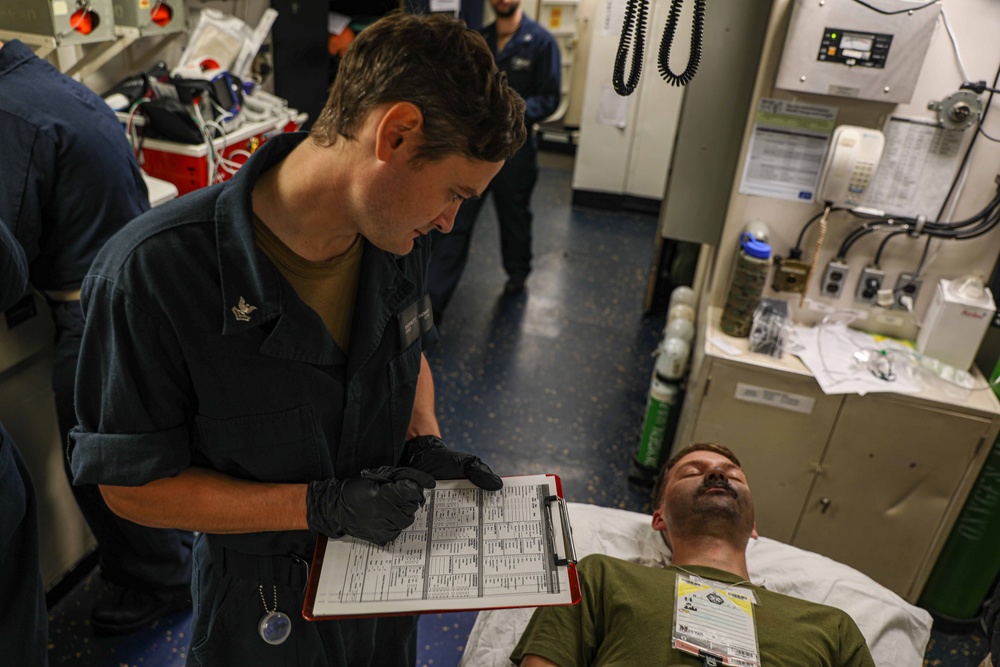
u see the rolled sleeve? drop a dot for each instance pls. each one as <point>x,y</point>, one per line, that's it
<point>127,460</point>
<point>132,391</point>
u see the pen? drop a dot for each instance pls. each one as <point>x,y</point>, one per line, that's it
<point>378,474</point>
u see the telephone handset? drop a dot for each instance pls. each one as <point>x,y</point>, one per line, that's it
<point>850,165</point>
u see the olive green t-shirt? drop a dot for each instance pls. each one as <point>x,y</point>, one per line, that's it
<point>625,617</point>
<point>330,287</point>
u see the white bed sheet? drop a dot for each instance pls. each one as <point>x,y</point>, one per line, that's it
<point>896,631</point>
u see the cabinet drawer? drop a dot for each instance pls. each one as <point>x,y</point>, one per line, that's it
<point>888,478</point>
<point>779,448</point>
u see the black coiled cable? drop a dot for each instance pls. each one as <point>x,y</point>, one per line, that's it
<point>697,30</point>
<point>634,24</point>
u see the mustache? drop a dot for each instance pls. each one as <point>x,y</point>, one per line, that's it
<point>717,483</point>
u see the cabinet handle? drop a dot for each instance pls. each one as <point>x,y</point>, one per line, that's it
<point>825,502</point>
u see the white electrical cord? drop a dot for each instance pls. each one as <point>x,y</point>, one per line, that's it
<point>209,143</point>
<point>850,317</point>
<point>892,355</point>
<point>954,45</point>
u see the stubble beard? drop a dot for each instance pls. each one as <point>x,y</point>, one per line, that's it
<point>507,13</point>
<point>722,515</point>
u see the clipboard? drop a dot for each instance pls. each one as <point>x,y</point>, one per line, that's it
<point>468,549</point>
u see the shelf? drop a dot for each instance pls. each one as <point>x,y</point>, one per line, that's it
<point>980,398</point>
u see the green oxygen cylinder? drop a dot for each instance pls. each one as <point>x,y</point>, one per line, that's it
<point>970,560</point>
<point>654,443</point>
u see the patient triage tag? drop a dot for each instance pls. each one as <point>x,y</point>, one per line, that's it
<point>713,619</point>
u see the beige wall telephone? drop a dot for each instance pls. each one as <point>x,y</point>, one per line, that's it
<point>850,165</point>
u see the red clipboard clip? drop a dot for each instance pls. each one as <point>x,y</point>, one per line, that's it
<point>567,530</point>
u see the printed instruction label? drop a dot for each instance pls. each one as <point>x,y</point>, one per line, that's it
<point>774,398</point>
<point>787,147</point>
<point>917,166</point>
<point>715,618</point>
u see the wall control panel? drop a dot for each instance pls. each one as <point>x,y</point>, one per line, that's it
<point>845,49</point>
<point>854,49</point>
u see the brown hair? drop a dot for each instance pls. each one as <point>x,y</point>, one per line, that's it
<point>661,477</point>
<point>437,63</point>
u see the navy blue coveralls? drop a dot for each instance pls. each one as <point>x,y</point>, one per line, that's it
<point>531,61</point>
<point>198,352</point>
<point>24,619</point>
<point>68,182</point>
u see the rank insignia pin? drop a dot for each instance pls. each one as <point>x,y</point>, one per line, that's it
<point>242,310</point>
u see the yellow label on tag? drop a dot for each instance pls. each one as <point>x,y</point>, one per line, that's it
<point>143,4</point>
<point>715,619</point>
<point>555,18</point>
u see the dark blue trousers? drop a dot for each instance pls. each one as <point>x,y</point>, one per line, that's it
<point>511,189</point>
<point>230,598</point>
<point>129,554</point>
<point>24,626</point>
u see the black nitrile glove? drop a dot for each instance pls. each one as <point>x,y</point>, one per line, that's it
<point>376,506</point>
<point>429,453</point>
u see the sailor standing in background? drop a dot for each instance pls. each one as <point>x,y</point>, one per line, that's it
<point>529,56</point>
<point>68,182</point>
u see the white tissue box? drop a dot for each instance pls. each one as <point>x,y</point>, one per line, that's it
<point>955,324</point>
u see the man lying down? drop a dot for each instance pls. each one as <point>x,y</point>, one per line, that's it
<point>701,608</point>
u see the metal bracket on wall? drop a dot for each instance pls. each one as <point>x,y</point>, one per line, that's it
<point>42,45</point>
<point>96,57</point>
<point>958,111</point>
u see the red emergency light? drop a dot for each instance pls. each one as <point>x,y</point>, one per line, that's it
<point>84,20</point>
<point>161,14</point>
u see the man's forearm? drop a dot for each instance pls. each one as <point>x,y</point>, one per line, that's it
<point>210,502</point>
<point>423,421</point>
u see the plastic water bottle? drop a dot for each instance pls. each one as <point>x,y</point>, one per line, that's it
<point>753,262</point>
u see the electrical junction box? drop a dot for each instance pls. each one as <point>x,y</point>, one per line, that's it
<point>151,17</point>
<point>790,275</point>
<point>68,22</point>
<point>845,49</point>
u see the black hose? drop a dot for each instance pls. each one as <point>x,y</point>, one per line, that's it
<point>635,23</point>
<point>694,58</point>
<point>881,246</point>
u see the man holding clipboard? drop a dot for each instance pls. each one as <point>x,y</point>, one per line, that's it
<point>252,366</point>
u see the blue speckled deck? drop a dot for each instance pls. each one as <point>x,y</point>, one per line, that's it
<point>553,381</point>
